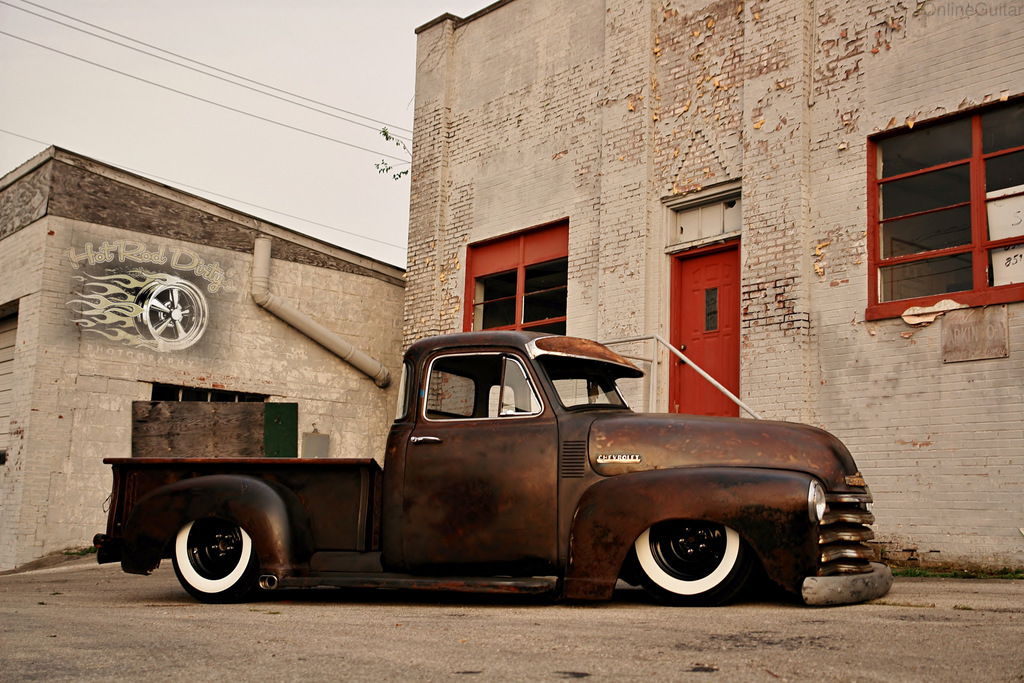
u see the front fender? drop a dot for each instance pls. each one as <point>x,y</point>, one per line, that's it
<point>768,508</point>
<point>271,515</point>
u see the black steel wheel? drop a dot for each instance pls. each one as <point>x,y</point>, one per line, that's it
<point>692,562</point>
<point>214,560</point>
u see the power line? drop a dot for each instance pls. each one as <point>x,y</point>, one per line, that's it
<point>205,66</point>
<point>223,196</point>
<point>25,137</point>
<point>202,99</point>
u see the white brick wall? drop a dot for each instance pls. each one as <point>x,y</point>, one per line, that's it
<point>665,99</point>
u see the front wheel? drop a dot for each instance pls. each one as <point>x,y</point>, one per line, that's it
<point>214,560</point>
<point>692,562</point>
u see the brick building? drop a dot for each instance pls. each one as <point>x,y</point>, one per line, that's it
<point>820,199</point>
<point>116,289</point>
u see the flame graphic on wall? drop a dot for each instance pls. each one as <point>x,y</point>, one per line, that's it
<point>150,310</point>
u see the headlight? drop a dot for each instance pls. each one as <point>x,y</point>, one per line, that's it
<point>816,501</point>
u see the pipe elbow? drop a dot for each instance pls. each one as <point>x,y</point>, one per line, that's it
<point>260,290</point>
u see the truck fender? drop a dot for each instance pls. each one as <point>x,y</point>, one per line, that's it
<point>272,516</point>
<point>768,508</point>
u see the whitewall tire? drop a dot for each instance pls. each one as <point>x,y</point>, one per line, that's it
<point>692,562</point>
<point>214,560</point>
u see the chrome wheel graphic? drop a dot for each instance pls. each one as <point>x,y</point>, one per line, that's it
<point>174,313</point>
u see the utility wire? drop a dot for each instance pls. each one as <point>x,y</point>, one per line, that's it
<point>202,99</point>
<point>25,137</point>
<point>223,196</point>
<point>206,66</point>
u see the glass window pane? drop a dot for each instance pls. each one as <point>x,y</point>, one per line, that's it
<point>711,309</point>
<point>457,382</point>
<point>166,392</point>
<point>919,149</point>
<point>1002,128</point>
<point>1005,212</point>
<point>732,215</point>
<point>925,192</point>
<point>449,395</point>
<point>711,223</point>
<point>923,278</point>
<point>1006,266</point>
<point>1005,171</point>
<point>496,286</point>
<point>517,395</point>
<point>405,397</point>
<point>188,394</point>
<point>557,327</point>
<point>544,305</point>
<point>689,224</point>
<point>940,230</point>
<point>491,314</point>
<point>546,275</point>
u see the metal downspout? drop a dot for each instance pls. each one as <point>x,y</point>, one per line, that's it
<point>306,325</point>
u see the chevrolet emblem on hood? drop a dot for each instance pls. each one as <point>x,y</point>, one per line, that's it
<point>620,458</point>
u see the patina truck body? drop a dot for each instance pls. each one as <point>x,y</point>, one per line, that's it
<point>514,465</point>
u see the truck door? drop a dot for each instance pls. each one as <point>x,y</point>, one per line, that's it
<point>481,470</point>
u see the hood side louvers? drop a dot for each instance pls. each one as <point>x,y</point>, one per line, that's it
<point>572,459</point>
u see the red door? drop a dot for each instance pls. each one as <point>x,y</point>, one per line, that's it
<point>705,324</point>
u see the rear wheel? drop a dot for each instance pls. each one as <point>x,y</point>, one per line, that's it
<point>692,562</point>
<point>214,560</point>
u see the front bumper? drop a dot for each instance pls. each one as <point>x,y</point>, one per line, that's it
<point>845,589</point>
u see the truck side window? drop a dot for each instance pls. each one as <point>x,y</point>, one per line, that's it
<point>404,392</point>
<point>517,396</point>
<point>474,386</point>
<point>449,395</point>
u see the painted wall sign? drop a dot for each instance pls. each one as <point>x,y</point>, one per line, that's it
<point>1005,210</point>
<point>975,334</point>
<point>144,297</point>
<point>176,258</point>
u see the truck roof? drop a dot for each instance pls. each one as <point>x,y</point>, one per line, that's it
<point>535,344</point>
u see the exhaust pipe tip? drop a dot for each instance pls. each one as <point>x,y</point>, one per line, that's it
<point>268,582</point>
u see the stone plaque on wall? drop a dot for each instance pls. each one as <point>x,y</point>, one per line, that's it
<point>975,334</point>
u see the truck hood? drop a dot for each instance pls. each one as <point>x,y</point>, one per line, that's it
<point>636,442</point>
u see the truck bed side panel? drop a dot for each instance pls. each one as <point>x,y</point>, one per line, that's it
<point>341,497</point>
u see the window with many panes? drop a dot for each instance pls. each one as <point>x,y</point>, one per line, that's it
<point>173,392</point>
<point>519,282</point>
<point>946,212</point>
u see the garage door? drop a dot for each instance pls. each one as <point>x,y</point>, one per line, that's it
<point>8,330</point>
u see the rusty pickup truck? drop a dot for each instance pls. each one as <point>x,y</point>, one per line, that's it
<point>515,465</point>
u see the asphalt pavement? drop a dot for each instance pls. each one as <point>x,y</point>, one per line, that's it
<point>83,622</point>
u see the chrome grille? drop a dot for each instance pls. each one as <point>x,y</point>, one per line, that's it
<point>844,531</point>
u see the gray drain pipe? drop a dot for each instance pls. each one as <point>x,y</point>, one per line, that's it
<point>306,325</point>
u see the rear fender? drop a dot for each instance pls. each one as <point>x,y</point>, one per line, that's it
<point>273,516</point>
<point>768,508</point>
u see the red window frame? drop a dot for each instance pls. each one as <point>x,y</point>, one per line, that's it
<point>981,293</point>
<point>514,252</point>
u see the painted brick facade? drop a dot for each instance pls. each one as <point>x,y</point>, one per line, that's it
<point>73,389</point>
<point>612,112</point>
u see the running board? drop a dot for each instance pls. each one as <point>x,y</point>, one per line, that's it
<point>534,585</point>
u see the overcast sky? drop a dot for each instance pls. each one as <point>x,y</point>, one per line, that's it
<point>282,162</point>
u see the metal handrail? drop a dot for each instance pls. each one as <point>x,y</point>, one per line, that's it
<point>699,370</point>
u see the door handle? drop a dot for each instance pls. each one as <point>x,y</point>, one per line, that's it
<point>424,439</point>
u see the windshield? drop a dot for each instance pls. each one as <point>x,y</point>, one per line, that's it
<point>582,383</point>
